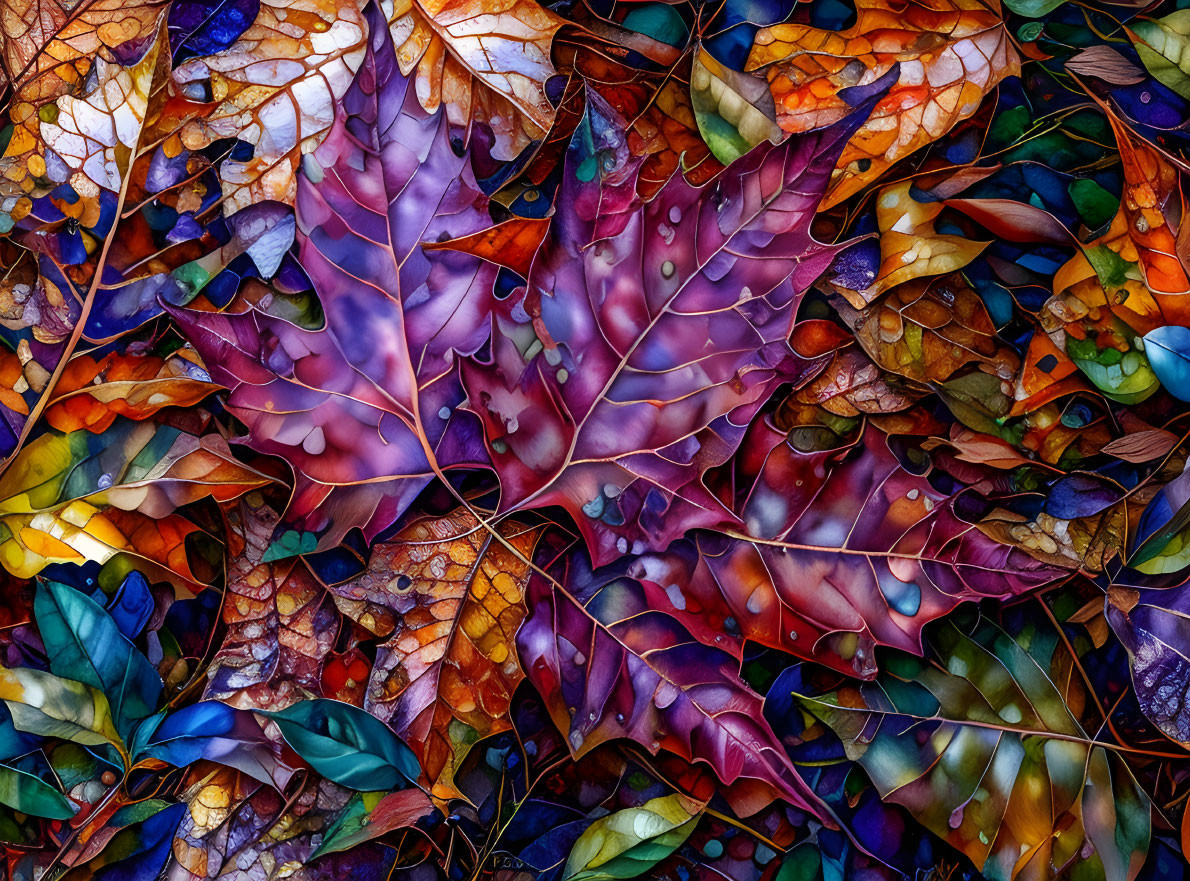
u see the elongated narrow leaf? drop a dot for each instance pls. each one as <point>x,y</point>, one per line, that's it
<point>347,745</point>
<point>32,795</point>
<point>630,842</point>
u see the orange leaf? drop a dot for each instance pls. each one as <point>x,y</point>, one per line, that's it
<point>279,631</point>
<point>951,54</point>
<point>512,244</point>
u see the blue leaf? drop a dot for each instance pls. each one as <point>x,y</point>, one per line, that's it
<point>132,606</point>
<point>1168,351</point>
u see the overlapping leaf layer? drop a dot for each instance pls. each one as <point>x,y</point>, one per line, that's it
<point>594,439</point>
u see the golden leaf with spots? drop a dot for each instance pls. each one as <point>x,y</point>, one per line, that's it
<point>455,597</point>
<point>951,54</point>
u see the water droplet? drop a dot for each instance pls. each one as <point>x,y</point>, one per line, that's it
<point>675,214</point>
<point>667,268</point>
<point>676,597</point>
<point>562,375</point>
<point>576,739</point>
<point>956,817</point>
<point>105,481</point>
<point>580,658</point>
<point>444,413</point>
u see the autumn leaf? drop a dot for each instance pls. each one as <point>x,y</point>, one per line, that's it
<point>278,87</point>
<point>279,627</point>
<point>449,596</point>
<point>363,430</point>
<point>91,394</point>
<point>488,63</point>
<point>991,702</point>
<point>948,55</point>
<point>725,264</point>
<point>608,666</point>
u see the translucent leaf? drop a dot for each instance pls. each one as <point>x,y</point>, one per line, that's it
<point>628,843</point>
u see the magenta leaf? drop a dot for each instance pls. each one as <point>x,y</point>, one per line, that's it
<point>364,410</point>
<point>609,666</point>
<point>847,552</point>
<point>649,335</point>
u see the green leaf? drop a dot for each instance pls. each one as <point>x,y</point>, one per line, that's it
<point>1163,47</point>
<point>84,642</point>
<point>1095,205</point>
<point>32,795</point>
<point>627,843</point>
<point>734,111</point>
<point>1126,377</point>
<point>982,748</point>
<point>45,704</point>
<point>346,744</point>
<point>369,815</point>
<point>1033,8</point>
<point>657,20</point>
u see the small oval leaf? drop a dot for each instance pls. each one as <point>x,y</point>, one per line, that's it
<point>1168,350</point>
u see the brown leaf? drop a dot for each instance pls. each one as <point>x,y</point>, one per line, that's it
<point>1105,63</point>
<point>927,329</point>
<point>1142,446</point>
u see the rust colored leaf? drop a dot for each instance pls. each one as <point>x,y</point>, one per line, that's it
<point>452,597</point>
<point>927,329</point>
<point>513,243</point>
<point>280,626</point>
<point>1142,446</point>
<point>90,394</point>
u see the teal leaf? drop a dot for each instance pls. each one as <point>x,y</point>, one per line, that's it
<point>32,795</point>
<point>346,744</point>
<point>84,643</point>
<point>1168,350</point>
<point>1033,8</point>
